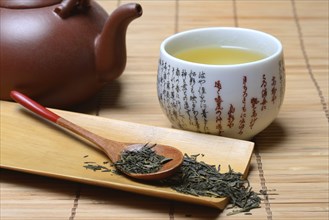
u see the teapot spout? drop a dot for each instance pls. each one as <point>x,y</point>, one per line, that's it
<point>110,44</point>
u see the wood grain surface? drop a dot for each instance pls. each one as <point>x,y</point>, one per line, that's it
<point>290,161</point>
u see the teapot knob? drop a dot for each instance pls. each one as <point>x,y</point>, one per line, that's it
<point>65,9</point>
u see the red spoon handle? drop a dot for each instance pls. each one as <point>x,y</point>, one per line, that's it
<point>33,106</point>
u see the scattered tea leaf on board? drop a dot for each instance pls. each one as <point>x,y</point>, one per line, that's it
<point>201,179</point>
<point>91,165</point>
<point>198,179</point>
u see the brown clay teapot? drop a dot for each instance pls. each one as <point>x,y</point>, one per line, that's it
<point>61,52</point>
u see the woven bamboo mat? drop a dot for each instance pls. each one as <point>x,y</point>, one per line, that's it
<point>290,162</point>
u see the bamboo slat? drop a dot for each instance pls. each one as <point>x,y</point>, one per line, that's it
<point>290,163</point>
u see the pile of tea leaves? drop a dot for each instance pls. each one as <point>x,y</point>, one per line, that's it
<point>141,161</point>
<point>194,177</point>
<point>201,179</point>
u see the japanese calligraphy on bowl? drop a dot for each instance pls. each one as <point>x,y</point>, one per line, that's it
<point>234,100</point>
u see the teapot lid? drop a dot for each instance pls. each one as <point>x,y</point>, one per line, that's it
<point>25,4</point>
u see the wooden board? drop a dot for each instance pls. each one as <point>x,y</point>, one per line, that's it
<point>31,144</point>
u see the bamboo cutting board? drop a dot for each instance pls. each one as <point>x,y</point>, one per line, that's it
<point>31,144</point>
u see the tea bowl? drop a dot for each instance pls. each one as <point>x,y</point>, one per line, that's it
<point>231,100</point>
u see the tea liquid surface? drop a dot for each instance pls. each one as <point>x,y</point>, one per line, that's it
<point>219,55</point>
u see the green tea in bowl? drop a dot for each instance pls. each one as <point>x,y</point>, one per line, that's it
<point>215,55</point>
<point>225,81</point>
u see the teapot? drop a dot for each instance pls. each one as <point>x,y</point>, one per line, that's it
<point>61,52</point>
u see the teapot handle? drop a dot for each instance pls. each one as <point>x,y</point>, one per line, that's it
<point>66,8</point>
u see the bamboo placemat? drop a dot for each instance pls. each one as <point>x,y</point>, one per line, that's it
<point>290,162</point>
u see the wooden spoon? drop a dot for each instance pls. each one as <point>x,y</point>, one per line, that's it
<point>112,149</point>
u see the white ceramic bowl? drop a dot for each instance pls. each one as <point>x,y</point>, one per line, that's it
<point>238,100</point>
